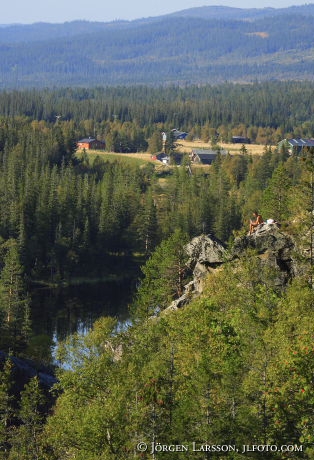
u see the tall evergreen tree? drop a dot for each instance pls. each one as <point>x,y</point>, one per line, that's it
<point>164,275</point>
<point>14,302</point>
<point>26,443</point>
<point>276,195</point>
<point>7,411</point>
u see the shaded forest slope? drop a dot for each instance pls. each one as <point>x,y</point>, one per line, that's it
<point>193,46</point>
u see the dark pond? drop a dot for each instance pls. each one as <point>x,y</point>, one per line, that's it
<point>57,313</point>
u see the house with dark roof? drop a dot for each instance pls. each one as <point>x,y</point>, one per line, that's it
<point>296,146</point>
<point>240,140</point>
<point>91,143</point>
<point>176,158</point>
<point>179,134</point>
<point>205,156</point>
<point>162,157</point>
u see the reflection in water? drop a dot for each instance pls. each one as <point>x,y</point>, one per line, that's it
<point>64,311</point>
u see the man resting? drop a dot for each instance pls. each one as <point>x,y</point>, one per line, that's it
<point>257,221</point>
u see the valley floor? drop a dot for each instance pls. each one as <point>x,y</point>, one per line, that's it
<point>187,147</point>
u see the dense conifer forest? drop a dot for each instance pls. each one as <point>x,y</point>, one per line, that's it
<point>265,112</point>
<point>235,366</point>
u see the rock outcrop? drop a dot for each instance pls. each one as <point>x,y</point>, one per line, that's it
<point>206,250</point>
<point>275,248</point>
<point>206,253</point>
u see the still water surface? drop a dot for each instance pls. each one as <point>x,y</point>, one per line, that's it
<point>64,311</point>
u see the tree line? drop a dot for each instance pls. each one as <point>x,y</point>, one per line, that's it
<point>232,368</point>
<point>64,216</point>
<point>265,112</point>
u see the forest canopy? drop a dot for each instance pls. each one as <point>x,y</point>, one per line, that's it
<point>264,112</point>
<point>232,367</point>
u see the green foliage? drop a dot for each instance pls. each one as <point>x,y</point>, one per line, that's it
<point>14,303</point>
<point>145,225</point>
<point>164,276</point>
<point>7,411</point>
<point>233,366</point>
<point>155,142</point>
<point>66,216</point>
<point>134,115</point>
<point>26,444</point>
<point>301,204</point>
<point>276,196</point>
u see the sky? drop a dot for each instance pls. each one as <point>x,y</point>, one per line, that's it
<point>58,11</point>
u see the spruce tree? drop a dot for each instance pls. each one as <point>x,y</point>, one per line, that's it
<point>26,443</point>
<point>276,195</point>
<point>164,275</point>
<point>6,408</point>
<point>14,303</point>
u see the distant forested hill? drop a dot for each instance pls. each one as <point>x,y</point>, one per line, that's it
<point>200,45</point>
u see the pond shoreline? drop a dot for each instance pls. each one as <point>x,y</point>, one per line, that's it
<point>81,281</point>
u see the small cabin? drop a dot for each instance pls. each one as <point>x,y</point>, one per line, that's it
<point>179,134</point>
<point>91,143</point>
<point>205,156</point>
<point>162,157</point>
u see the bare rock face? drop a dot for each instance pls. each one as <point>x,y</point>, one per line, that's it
<point>273,246</point>
<point>266,237</point>
<point>276,247</point>
<point>205,250</point>
<point>205,253</point>
<point>189,289</point>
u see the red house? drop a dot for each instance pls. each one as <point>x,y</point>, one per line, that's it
<point>91,144</point>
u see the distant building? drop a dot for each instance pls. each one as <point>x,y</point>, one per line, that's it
<point>162,157</point>
<point>240,140</point>
<point>179,134</point>
<point>175,159</point>
<point>295,146</point>
<point>205,156</point>
<point>91,144</point>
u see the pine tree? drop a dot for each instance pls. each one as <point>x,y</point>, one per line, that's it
<point>276,195</point>
<point>14,303</point>
<point>164,275</point>
<point>302,205</point>
<point>155,142</point>
<point>6,408</point>
<point>146,224</point>
<point>26,443</point>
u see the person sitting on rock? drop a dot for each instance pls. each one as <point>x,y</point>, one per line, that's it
<point>255,223</point>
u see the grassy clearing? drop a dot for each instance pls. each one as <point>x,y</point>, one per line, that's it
<point>233,149</point>
<point>184,146</point>
<point>131,158</point>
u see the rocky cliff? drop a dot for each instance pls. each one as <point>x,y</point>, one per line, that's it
<point>273,246</point>
<point>206,253</point>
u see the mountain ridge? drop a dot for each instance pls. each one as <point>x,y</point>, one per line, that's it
<point>179,48</point>
<point>227,12</point>
<point>76,27</point>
